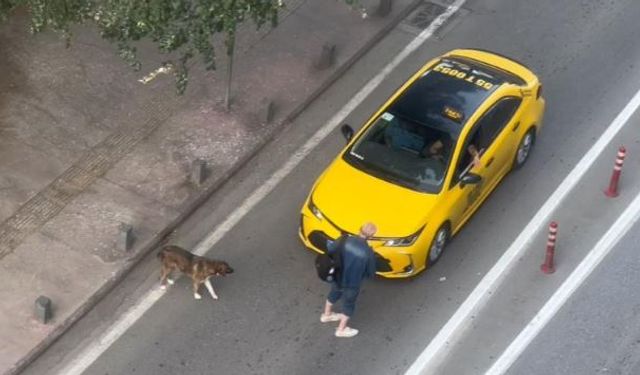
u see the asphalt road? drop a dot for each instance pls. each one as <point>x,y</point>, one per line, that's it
<point>598,330</point>
<point>266,321</point>
<point>584,217</point>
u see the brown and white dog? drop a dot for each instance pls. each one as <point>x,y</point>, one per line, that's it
<point>200,269</point>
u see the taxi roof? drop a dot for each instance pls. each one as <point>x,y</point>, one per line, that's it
<point>448,94</point>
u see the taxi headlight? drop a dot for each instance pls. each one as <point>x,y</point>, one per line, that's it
<point>315,210</point>
<point>403,241</point>
<point>406,241</point>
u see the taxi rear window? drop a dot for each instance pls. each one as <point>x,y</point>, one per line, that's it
<point>447,95</point>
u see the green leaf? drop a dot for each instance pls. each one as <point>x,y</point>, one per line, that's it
<point>185,27</point>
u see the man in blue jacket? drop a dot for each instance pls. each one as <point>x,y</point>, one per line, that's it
<point>358,263</point>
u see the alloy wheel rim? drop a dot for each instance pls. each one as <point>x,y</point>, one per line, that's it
<point>523,151</point>
<point>438,244</point>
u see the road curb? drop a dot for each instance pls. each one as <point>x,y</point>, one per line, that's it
<point>205,193</point>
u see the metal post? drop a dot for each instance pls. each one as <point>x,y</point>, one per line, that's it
<point>230,52</point>
<point>548,267</point>
<point>612,191</point>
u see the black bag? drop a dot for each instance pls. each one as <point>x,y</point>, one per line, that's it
<point>328,265</point>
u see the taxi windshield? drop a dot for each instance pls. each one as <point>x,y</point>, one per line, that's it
<point>404,152</point>
<point>411,144</point>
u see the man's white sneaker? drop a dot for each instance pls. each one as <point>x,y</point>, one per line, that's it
<point>333,317</point>
<point>346,332</point>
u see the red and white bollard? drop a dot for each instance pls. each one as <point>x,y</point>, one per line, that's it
<point>612,191</point>
<point>548,267</point>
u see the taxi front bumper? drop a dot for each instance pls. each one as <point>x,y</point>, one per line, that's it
<point>391,262</point>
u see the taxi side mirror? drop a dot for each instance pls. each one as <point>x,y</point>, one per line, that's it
<point>347,132</point>
<point>470,179</point>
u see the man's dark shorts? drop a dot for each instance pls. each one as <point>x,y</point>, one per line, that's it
<point>348,295</point>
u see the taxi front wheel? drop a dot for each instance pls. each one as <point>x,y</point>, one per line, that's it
<point>524,148</point>
<point>438,244</point>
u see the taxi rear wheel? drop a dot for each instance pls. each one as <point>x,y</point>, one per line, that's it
<point>524,148</point>
<point>438,244</point>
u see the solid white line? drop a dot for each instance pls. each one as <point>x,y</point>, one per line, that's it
<point>124,322</point>
<point>434,353</point>
<point>570,285</point>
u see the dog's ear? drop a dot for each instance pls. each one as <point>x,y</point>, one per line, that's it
<point>222,268</point>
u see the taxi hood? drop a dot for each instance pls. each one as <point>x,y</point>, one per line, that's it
<point>349,197</point>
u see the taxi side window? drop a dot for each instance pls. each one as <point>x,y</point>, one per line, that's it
<point>464,161</point>
<point>485,131</point>
<point>495,119</point>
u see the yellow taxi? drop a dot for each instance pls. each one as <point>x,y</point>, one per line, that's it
<point>427,159</point>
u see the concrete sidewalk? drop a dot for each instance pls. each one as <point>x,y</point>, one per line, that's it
<point>85,147</point>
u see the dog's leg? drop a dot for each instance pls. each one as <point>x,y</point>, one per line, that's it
<point>164,277</point>
<point>196,284</point>
<point>207,283</point>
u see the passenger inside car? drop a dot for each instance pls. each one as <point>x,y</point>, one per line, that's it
<point>438,150</point>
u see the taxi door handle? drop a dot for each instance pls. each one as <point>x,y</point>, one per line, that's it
<point>489,163</point>
<point>516,126</point>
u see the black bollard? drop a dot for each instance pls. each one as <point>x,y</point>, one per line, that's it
<point>43,309</point>
<point>384,8</point>
<point>267,110</point>
<point>327,56</point>
<point>198,172</point>
<point>125,240</point>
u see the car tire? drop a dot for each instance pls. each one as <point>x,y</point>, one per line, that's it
<point>524,148</point>
<point>438,244</point>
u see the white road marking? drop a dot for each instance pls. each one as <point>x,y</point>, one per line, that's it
<point>434,353</point>
<point>570,285</point>
<point>93,351</point>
